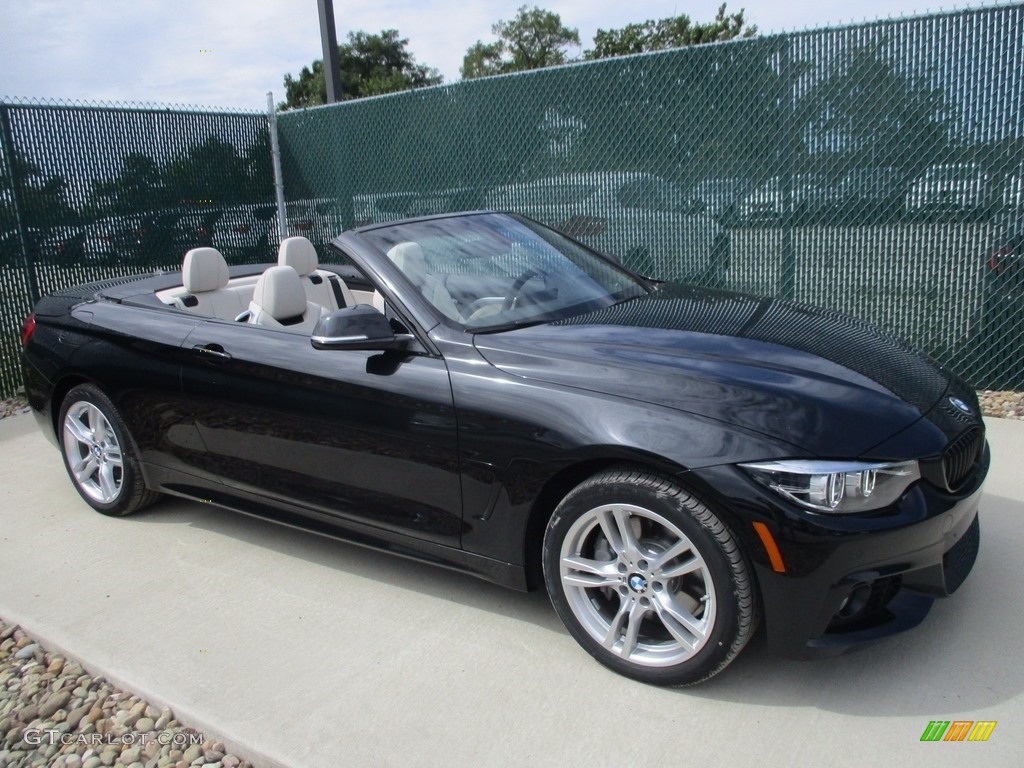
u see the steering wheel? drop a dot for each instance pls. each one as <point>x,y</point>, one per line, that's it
<point>517,287</point>
<point>488,305</point>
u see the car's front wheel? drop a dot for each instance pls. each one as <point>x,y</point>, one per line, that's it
<point>648,579</point>
<point>98,455</point>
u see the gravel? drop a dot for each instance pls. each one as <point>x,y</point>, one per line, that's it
<point>12,406</point>
<point>54,714</point>
<point>1002,404</point>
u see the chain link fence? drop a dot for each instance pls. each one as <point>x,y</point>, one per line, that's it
<point>875,169</point>
<point>89,192</point>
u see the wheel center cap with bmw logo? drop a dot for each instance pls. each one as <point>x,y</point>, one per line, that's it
<point>637,583</point>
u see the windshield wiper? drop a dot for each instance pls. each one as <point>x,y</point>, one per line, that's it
<point>510,326</point>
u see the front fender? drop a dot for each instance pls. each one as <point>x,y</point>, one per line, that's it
<point>513,446</point>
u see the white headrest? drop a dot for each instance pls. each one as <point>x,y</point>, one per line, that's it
<point>299,254</point>
<point>280,293</point>
<point>204,269</point>
<point>408,257</point>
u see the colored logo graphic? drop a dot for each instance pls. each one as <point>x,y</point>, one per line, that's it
<point>960,405</point>
<point>958,730</point>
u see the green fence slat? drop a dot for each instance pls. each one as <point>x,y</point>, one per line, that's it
<point>875,169</point>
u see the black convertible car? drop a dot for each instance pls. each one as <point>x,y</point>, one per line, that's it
<point>675,465</point>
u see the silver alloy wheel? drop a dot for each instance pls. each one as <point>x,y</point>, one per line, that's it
<point>638,585</point>
<point>93,453</point>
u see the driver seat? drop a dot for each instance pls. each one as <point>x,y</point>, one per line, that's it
<point>323,288</point>
<point>279,302</point>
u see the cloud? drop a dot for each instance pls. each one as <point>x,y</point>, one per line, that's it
<point>230,53</point>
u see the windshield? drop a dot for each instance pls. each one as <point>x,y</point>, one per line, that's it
<point>488,272</point>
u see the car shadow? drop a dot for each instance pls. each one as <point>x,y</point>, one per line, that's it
<point>357,560</point>
<point>962,658</point>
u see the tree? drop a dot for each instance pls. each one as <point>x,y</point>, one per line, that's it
<point>534,39</point>
<point>370,65</point>
<point>211,173</point>
<point>138,186</point>
<point>673,32</point>
<point>44,198</point>
<point>864,110</point>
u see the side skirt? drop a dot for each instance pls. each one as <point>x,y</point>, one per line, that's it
<point>178,484</point>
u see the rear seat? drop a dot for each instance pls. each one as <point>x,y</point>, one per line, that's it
<point>321,287</point>
<point>208,291</point>
<point>204,273</point>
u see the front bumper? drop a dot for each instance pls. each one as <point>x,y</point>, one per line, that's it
<point>853,579</point>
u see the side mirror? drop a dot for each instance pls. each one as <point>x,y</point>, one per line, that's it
<point>358,327</point>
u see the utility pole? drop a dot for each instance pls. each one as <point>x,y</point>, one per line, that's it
<point>275,156</point>
<point>329,40</point>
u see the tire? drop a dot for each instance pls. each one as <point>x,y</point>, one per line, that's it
<point>98,454</point>
<point>648,579</point>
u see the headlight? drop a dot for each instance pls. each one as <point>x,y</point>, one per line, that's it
<point>836,486</point>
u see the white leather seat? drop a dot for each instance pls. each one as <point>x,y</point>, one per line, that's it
<point>204,273</point>
<point>408,257</point>
<point>321,287</point>
<point>279,301</point>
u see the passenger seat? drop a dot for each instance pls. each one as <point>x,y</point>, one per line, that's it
<point>409,258</point>
<point>321,287</point>
<point>279,302</point>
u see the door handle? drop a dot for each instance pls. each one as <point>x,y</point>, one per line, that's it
<point>212,352</point>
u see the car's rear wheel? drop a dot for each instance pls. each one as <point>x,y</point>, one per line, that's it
<point>98,455</point>
<point>648,579</point>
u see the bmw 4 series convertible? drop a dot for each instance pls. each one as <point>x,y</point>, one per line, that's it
<point>676,466</point>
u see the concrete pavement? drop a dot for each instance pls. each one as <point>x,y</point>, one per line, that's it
<point>300,651</point>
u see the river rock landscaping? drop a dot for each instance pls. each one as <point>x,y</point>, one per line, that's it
<point>54,714</point>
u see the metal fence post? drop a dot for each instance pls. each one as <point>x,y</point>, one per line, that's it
<point>275,151</point>
<point>787,276</point>
<point>18,203</point>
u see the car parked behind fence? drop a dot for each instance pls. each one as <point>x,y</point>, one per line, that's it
<point>810,195</point>
<point>951,191</point>
<point>377,208</point>
<point>653,225</point>
<point>168,235</point>
<point>722,197</point>
<point>113,239</point>
<point>246,231</point>
<point>870,195</point>
<point>1000,340</point>
<point>316,219</point>
<point>62,244</point>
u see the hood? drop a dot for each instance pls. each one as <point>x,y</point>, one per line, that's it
<point>821,381</point>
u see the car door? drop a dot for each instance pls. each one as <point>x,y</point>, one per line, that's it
<point>135,354</point>
<point>364,436</point>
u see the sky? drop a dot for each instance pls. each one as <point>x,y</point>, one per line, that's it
<point>229,53</point>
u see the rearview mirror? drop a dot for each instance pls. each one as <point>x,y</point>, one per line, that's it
<point>358,327</point>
